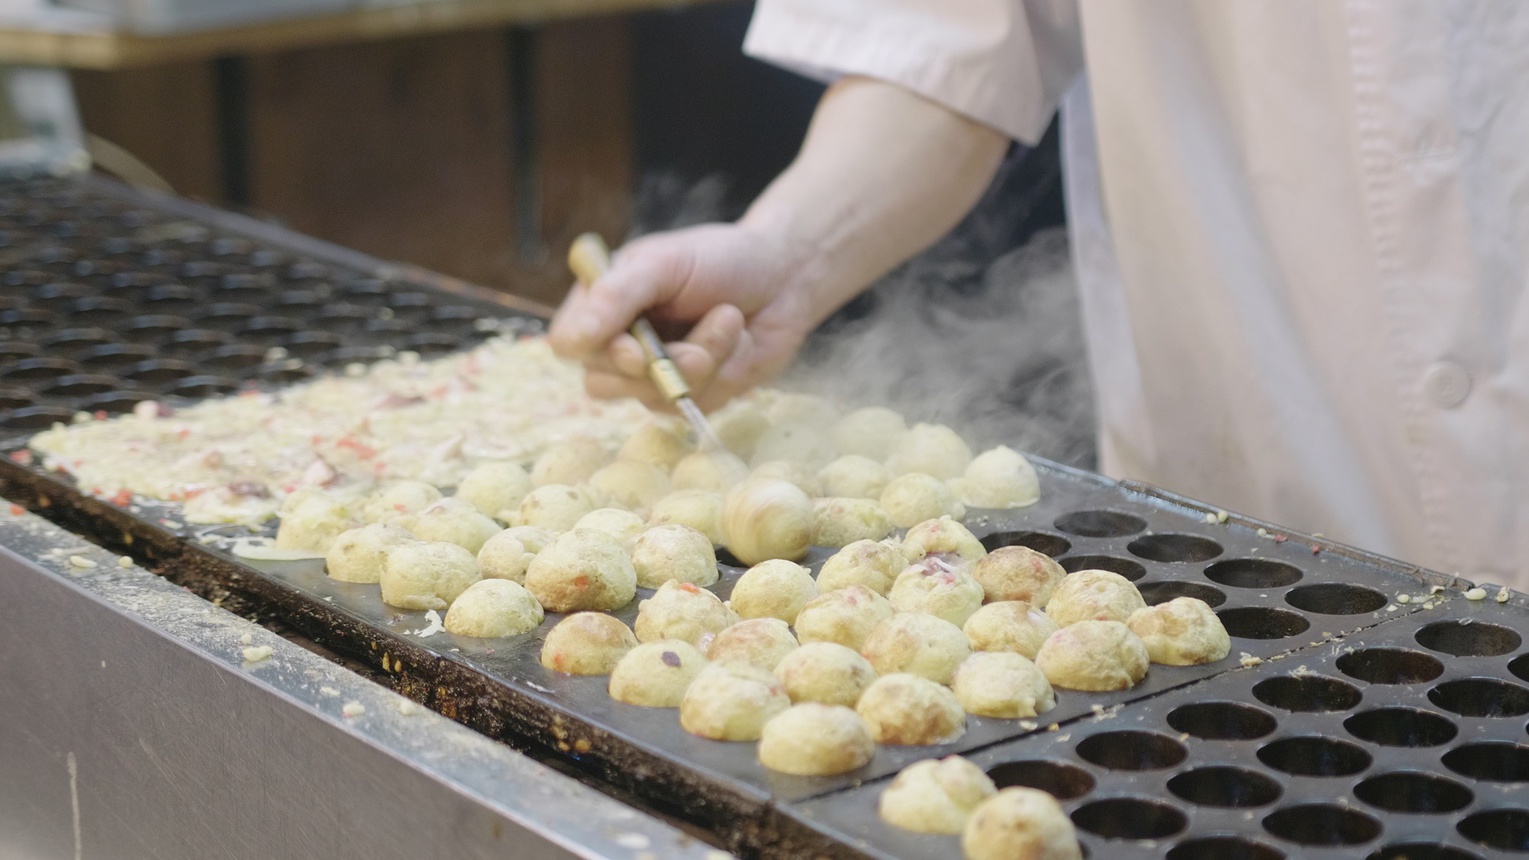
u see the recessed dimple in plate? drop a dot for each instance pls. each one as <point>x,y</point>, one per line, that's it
<point>307,270</point>
<point>204,386</point>
<point>464,313</point>
<point>1336,598</point>
<point>353,354</point>
<point>1253,573</point>
<point>116,356</point>
<point>80,385</point>
<point>282,372</point>
<point>155,327</point>
<point>228,315</point>
<point>1131,750</point>
<point>198,340</point>
<point>160,371</point>
<point>1225,786</point>
<point>1127,568</point>
<point>75,338</point>
<point>1222,721</point>
<point>115,402</point>
<point>1315,694</point>
<point>1519,666</point>
<point>431,344</point>
<point>270,327</point>
<point>13,350</point>
<point>29,318</point>
<point>1060,780</point>
<point>299,301</point>
<point>307,344</point>
<point>1491,761</point>
<point>1401,727</point>
<point>1481,697</point>
<point>59,295</point>
<point>1413,792</point>
<point>1262,622</point>
<point>1100,524</point>
<point>37,417</point>
<point>1468,638</point>
<point>1042,542</point>
<point>1314,756</point>
<point>1223,848</point>
<point>173,299</point>
<point>1503,829</point>
<point>1390,666</point>
<point>99,310</point>
<point>1422,851</point>
<point>1322,824</point>
<point>235,356</point>
<point>1162,592</point>
<point>15,398</point>
<point>37,370</point>
<point>1129,818</point>
<point>388,326</point>
<point>1174,548</point>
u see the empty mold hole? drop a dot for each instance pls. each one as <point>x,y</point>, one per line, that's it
<point>156,326</point>
<point>1519,666</point>
<point>1044,542</point>
<point>160,371</point>
<point>1174,547</point>
<point>1406,791</point>
<point>1129,818</point>
<point>1131,750</point>
<point>284,372</point>
<point>1262,622</point>
<point>1222,721</point>
<point>14,398</point>
<point>1336,598</point>
<point>233,357</point>
<point>1222,785</point>
<point>1308,693</point>
<point>1390,666</point>
<point>38,417</point>
<point>204,386</point>
<point>81,384</point>
<point>1401,727</point>
<point>1481,697</point>
<point>1422,851</point>
<point>1314,756</point>
<point>307,344</point>
<point>76,338</point>
<point>1062,781</point>
<point>1223,848</point>
<point>1162,592</point>
<point>1492,761</point>
<point>116,402</point>
<point>228,314</point>
<point>1322,824</point>
<point>1253,573</point>
<point>270,327</point>
<point>11,350</point>
<point>37,369</point>
<point>1468,638</point>
<point>114,356</point>
<point>200,338</point>
<point>1503,829</point>
<point>28,317</point>
<point>1100,524</point>
<point>1127,568</point>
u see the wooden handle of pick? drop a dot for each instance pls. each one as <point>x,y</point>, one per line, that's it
<point>590,258</point>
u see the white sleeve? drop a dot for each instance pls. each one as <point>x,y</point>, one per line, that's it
<point>1004,63</point>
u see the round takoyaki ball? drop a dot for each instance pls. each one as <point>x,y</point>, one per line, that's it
<point>656,674</point>
<point>739,425</point>
<point>491,608</point>
<point>631,485</point>
<point>999,478</point>
<point>1018,573</point>
<point>660,444</point>
<point>870,563</point>
<point>358,555</point>
<point>773,589</point>
<point>808,409</point>
<point>811,739</point>
<point>715,471</point>
<point>825,672</point>
<point>854,476</point>
<point>1010,625</point>
<point>674,552</point>
<point>399,498</point>
<point>1094,656</point>
<point>732,702</point>
<point>427,575</point>
<point>935,796</point>
<point>870,432</point>
<point>943,536</point>
<point>1093,595</point>
<point>930,449</point>
<point>457,521</point>
<point>842,521</point>
<point>937,588</point>
<point>795,443</point>
<point>908,710</point>
<point>507,555</point>
<point>1002,684</point>
<point>698,509</point>
<point>761,642</point>
<point>845,616</point>
<point>790,472</point>
<point>1181,632</point>
<point>679,610</point>
<point>915,497</point>
<point>312,520</point>
<point>495,487</point>
<point>582,569</point>
<point>570,461</point>
<point>623,525</point>
<point>554,507</point>
<point>587,643</point>
<point>918,644</point>
<point>1020,823</point>
<point>765,519</point>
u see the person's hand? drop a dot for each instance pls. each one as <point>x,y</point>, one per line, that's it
<point>736,295</point>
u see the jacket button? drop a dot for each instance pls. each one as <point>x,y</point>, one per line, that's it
<point>1447,384</point>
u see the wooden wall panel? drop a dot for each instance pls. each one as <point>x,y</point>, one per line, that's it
<point>163,115</point>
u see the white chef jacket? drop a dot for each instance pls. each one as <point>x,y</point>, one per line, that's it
<point>1300,229</point>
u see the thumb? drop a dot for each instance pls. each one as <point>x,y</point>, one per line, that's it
<point>595,313</point>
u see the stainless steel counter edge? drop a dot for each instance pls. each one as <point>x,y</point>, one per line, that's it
<point>132,725</point>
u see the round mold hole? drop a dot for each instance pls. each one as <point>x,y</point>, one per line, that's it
<point>354,354</point>
<point>1481,697</point>
<point>160,371</point>
<point>156,327</point>
<point>1314,694</point>
<point>1409,791</point>
<point>458,313</point>
<point>1401,727</point>
<point>251,283</point>
<point>1503,829</point>
<point>28,317</point>
<point>431,344</point>
<point>1336,598</point>
<point>227,315</point>
<point>1262,622</point>
<point>60,295</point>
<point>235,356</point>
<point>307,270</point>
<point>1100,524</point>
<point>307,344</point>
<point>270,327</point>
<point>1422,851</point>
<point>15,398</point>
<point>40,369</point>
<point>81,385</point>
<point>11,350</point>
<point>196,339</point>
<point>116,402</point>
<point>1223,848</point>
<point>37,417</point>
<point>1322,824</point>
<point>1174,547</point>
<point>202,270</point>
<point>204,386</point>
<point>75,338</point>
<point>1253,573</point>
<point>1043,542</point>
<point>1226,786</point>
<point>1390,666</point>
<point>1519,666</point>
<point>1131,750</point>
<point>1129,818</point>
<point>1162,592</point>
<point>1127,568</point>
<point>172,299</point>
<point>301,301</point>
<point>98,310</point>
<point>283,372</point>
<point>1222,721</point>
<point>1468,638</point>
<point>1062,781</point>
<point>388,325</point>
<point>115,356</point>
<point>1314,756</point>
<point>1492,761</point>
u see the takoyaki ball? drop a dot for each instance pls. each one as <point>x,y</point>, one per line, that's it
<point>312,520</point>
<point>937,588</point>
<point>1002,684</point>
<point>842,521</point>
<point>554,507</point>
<point>1093,595</point>
<point>854,476</point>
<point>1018,573</point>
<point>587,643</point>
<point>845,616</point>
<point>507,555</point>
<point>915,497</point>
<point>631,485</point>
<point>773,589</point>
<point>870,563</point>
<point>656,674</point>
<point>732,702</point>
<point>739,425</point>
<point>871,432</point>
<point>930,449</point>
<point>943,536</point>
<point>918,644</point>
<point>659,443</point>
<point>398,498</point>
<point>570,461</point>
<point>761,642</point>
<point>680,610</point>
<point>496,489</point>
<point>582,569</point>
<point>492,608</point>
<point>621,524</point>
<point>935,796</point>
<point>674,552</point>
<point>909,710</point>
<point>812,739</point>
<point>825,672</point>
<point>790,472</point>
<point>1009,625</point>
<point>1094,656</point>
<point>797,443</point>
<point>427,575</point>
<point>358,555</point>
<point>1184,631</point>
<point>1020,823</point>
<point>999,478</point>
<point>715,471</point>
<point>457,521</point>
<point>698,509</point>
